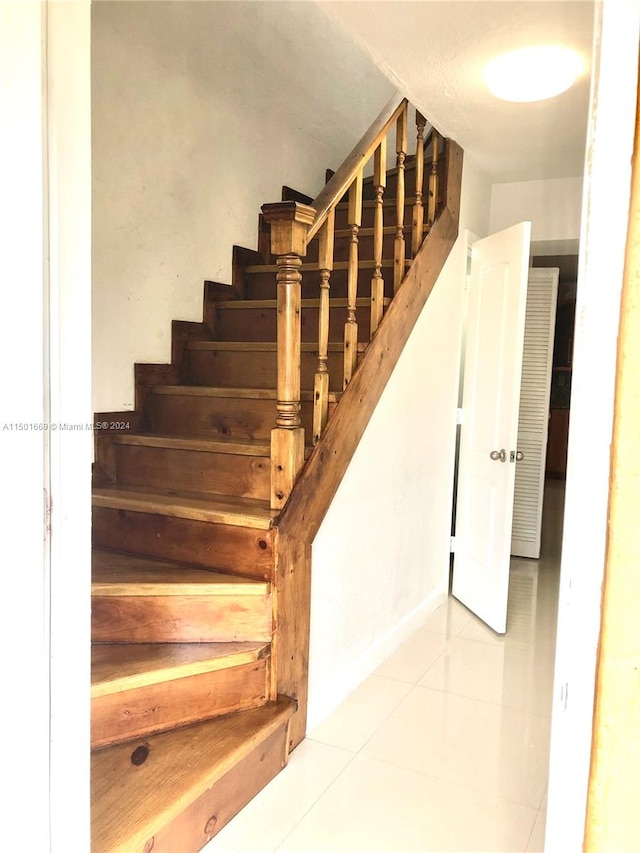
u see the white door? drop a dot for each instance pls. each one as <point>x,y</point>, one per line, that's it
<point>533,421</point>
<point>488,438</point>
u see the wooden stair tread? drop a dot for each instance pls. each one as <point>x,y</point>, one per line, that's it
<point>126,574</point>
<point>243,304</point>
<point>387,202</point>
<point>221,509</point>
<point>244,393</point>
<point>130,803</point>
<point>116,667</point>
<point>314,267</point>
<point>263,346</point>
<point>247,447</point>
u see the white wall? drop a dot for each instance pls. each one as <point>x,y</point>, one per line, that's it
<point>201,112</point>
<point>606,210</point>
<point>554,208</point>
<point>380,561</point>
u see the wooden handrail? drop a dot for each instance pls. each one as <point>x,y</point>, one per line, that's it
<point>363,151</point>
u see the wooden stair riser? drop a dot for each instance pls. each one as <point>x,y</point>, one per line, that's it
<point>232,418</point>
<point>368,212</point>
<point>194,471</point>
<point>259,324</point>
<point>239,550</point>
<point>261,285</point>
<point>180,618</point>
<point>215,808</point>
<point>246,368</point>
<point>158,707</point>
<point>365,246</point>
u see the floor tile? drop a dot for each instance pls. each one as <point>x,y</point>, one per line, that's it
<point>377,808</point>
<point>506,674</point>
<point>263,824</point>
<point>415,656</point>
<point>362,712</point>
<point>449,619</point>
<point>491,748</point>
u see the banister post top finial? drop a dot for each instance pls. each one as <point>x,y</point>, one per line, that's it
<point>290,222</point>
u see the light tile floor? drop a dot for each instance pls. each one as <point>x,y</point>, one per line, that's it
<point>444,748</point>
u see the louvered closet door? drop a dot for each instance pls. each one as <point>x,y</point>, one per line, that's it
<point>533,423</point>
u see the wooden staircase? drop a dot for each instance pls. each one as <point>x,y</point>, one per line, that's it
<point>202,542</point>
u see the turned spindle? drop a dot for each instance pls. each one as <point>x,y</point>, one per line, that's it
<point>418,208</point>
<point>377,282</point>
<point>351,326</point>
<point>321,381</point>
<point>399,246</point>
<point>433,179</point>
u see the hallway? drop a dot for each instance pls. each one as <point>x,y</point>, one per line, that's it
<point>444,748</point>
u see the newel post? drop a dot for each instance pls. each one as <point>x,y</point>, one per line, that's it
<point>290,223</point>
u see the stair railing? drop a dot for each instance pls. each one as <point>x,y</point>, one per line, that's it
<point>293,226</point>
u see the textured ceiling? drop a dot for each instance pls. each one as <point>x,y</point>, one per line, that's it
<point>435,50</point>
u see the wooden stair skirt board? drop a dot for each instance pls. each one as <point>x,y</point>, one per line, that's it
<point>172,792</point>
<point>236,414</point>
<point>144,688</point>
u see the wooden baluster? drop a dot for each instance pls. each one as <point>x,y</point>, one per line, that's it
<point>418,209</point>
<point>290,222</point>
<point>377,282</point>
<point>321,383</point>
<point>351,326</point>
<point>433,180</point>
<point>399,247</point>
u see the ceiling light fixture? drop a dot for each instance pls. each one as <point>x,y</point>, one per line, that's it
<point>533,73</point>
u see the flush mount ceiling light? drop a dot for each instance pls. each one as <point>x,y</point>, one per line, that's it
<point>533,73</point>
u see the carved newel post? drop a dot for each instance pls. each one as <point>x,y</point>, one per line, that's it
<point>290,222</point>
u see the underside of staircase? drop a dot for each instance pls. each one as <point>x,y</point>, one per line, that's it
<point>201,585</point>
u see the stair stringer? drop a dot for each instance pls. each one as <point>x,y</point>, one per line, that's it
<point>318,482</point>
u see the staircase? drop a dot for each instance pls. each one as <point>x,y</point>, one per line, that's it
<point>208,496</point>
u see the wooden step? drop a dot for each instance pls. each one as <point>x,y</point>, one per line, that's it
<point>214,533</point>
<point>228,363</point>
<point>211,466</point>
<point>224,509</point>
<point>135,600</point>
<point>174,791</point>
<point>255,319</point>
<point>365,243</point>
<point>230,413</point>
<point>139,689</point>
<point>260,279</point>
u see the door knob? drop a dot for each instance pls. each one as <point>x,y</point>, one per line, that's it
<point>499,454</point>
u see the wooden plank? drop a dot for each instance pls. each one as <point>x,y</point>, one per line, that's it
<point>178,701</point>
<point>241,512</point>
<point>246,393</point>
<point>180,618</point>
<point>256,364</point>
<point>223,415</point>
<point>323,472</point>
<point>290,644</point>
<point>213,809</point>
<point>116,667</point>
<point>241,550</point>
<point>338,265</point>
<point>216,473</point>
<point>118,574</point>
<point>241,448</point>
<point>133,800</point>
